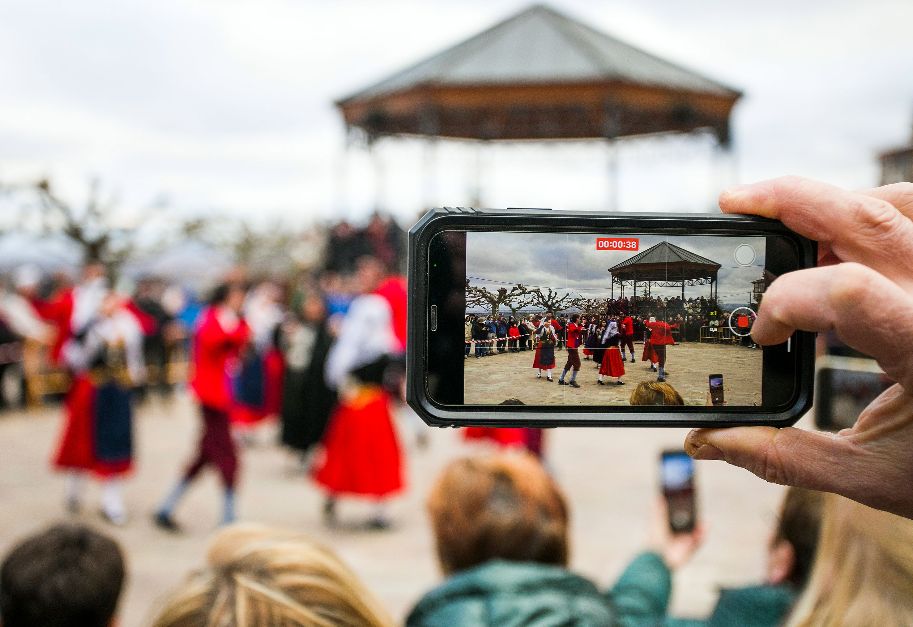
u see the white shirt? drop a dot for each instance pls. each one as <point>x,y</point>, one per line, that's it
<point>365,336</point>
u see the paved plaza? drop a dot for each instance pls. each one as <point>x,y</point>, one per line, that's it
<point>490,380</point>
<point>610,477</point>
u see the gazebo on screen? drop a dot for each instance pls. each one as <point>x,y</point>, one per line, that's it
<point>541,76</point>
<point>665,265</point>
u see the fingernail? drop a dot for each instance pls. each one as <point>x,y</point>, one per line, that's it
<point>736,190</point>
<point>706,452</point>
<point>699,448</point>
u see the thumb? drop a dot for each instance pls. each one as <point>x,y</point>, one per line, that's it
<point>789,456</point>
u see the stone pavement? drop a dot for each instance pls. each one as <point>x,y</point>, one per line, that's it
<point>610,477</point>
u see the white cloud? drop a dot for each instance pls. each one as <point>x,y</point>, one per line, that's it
<point>228,104</point>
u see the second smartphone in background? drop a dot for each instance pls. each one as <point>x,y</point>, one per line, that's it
<point>678,487</point>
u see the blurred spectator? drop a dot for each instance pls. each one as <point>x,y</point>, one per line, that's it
<point>863,572</point>
<point>654,393</point>
<point>501,532</point>
<point>307,400</point>
<point>258,577</point>
<point>66,576</point>
<point>791,553</point>
<point>386,241</point>
<point>343,248</point>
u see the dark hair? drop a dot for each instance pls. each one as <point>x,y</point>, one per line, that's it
<point>800,525</point>
<point>221,292</point>
<point>575,317</point>
<point>66,576</point>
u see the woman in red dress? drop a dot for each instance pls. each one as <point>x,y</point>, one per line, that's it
<point>612,363</point>
<point>361,451</point>
<point>105,357</point>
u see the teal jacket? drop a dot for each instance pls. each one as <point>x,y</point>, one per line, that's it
<point>756,606</point>
<point>514,594</point>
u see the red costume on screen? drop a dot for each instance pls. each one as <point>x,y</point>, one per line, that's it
<point>661,332</point>
<point>612,363</point>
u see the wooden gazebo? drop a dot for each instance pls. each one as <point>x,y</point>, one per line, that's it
<point>665,265</point>
<point>540,75</point>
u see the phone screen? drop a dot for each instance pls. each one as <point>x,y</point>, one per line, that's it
<point>677,473</point>
<point>716,389</point>
<point>614,311</point>
<point>845,387</point>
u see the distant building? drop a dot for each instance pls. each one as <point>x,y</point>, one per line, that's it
<point>897,164</point>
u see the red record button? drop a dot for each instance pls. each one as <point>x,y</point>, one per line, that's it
<point>617,243</point>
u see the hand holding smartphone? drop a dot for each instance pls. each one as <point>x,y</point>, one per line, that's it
<point>688,284</point>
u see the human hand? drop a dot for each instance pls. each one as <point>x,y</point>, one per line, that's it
<point>863,290</point>
<point>676,549</point>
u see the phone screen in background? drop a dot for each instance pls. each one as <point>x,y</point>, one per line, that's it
<point>716,389</point>
<point>677,473</point>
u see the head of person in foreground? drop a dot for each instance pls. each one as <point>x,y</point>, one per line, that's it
<point>65,576</point>
<point>863,572</point>
<point>257,575</point>
<point>503,506</point>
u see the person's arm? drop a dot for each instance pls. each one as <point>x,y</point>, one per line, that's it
<point>641,595</point>
<point>863,291</point>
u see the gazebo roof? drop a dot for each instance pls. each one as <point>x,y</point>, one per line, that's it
<point>541,75</point>
<point>541,45</point>
<point>665,262</point>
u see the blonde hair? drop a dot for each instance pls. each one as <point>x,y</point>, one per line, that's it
<point>653,393</point>
<point>863,572</point>
<point>259,576</point>
<point>502,506</point>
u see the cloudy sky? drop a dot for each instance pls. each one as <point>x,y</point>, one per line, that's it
<point>571,263</point>
<point>225,106</point>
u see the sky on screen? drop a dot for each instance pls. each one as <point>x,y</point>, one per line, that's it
<point>225,106</point>
<point>572,263</point>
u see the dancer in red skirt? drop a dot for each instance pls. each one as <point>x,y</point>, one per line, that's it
<point>612,363</point>
<point>219,338</point>
<point>660,338</point>
<point>361,455</point>
<point>105,357</point>
<point>649,353</point>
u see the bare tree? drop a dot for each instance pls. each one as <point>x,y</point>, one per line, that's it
<point>478,296</point>
<point>99,226</point>
<point>551,300</point>
<point>590,305</point>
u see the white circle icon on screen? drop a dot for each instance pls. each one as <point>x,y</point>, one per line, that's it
<point>744,255</point>
<point>741,320</point>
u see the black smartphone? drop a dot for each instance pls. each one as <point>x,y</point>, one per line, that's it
<point>677,484</point>
<point>845,387</point>
<point>634,307</point>
<point>717,397</point>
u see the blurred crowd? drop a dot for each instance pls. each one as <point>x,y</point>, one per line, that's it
<point>500,524</point>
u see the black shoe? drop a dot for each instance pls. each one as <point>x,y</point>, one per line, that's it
<point>165,522</point>
<point>549,379</point>
<point>600,382</point>
<point>660,379</point>
<point>620,382</point>
<point>574,384</point>
<point>561,382</point>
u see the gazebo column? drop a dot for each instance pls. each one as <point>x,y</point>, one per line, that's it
<point>612,175</point>
<point>429,163</point>
<point>342,175</point>
<point>379,173</point>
